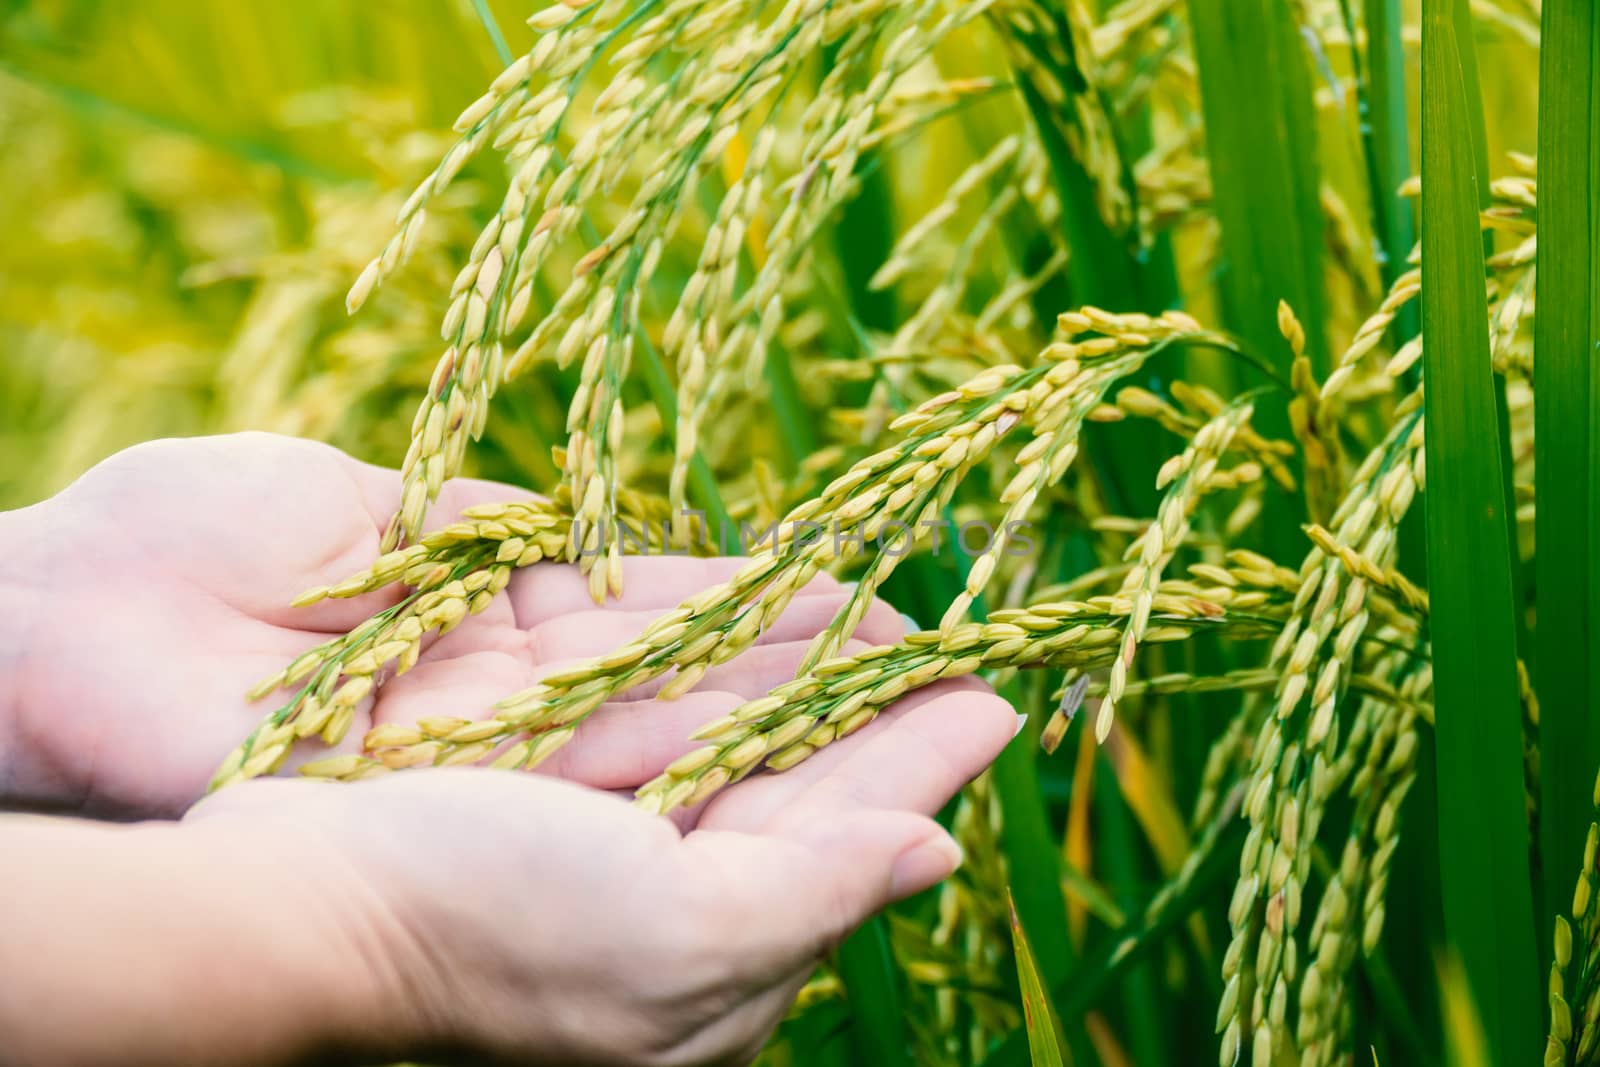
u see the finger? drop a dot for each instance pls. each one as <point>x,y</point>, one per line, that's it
<point>807,616</point>
<point>378,490</point>
<point>751,674</point>
<point>304,522</point>
<point>649,583</point>
<point>466,686</point>
<point>758,670</point>
<point>797,890</point>
<point>572,639</point>
<point>621,745</point>
<point>849,831</point>
<point>625,744</point>
<point>313,748</point>
<point>256,795</point>
<point>556,649</point>
<point>591,631</point>
<point>493,628</point>
<point>914,757</point>
<point>594,631</point>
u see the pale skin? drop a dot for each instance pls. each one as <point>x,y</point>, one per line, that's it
<point>450,914</point>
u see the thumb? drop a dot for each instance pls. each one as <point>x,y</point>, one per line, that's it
<point>832,874</point>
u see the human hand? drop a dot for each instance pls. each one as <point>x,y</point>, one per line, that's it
<point>497,913</point>
<point>520,918</point>
<point>152,593</point>
<point>155,591</point>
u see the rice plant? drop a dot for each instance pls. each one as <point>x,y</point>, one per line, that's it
<point>1096,337</point>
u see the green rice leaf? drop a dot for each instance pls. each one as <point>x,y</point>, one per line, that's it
<point>1387,140</point>
<point>1483,847</point>
<point>1565,335</point>
<point>1137,940</point>
<point>872,982</point>
<point>1261,142</point>
<point>1044,1029</point>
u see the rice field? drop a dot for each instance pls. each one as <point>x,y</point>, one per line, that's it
<point>1177,367</point>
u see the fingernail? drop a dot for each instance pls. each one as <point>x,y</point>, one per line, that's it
<point>1022,720</point>
<point>911,624</point>
<point>923,865</point>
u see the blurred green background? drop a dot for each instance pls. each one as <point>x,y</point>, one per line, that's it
<point>188,187</point>
<point>186,192</point>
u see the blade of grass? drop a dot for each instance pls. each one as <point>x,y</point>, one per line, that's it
<point>1120,854</point>
<point>1261,147</point>
<point>1477,126</point>
<point>1034,860</point>
<point>1414,929</point>
<point>1395,1010</point>
<point>865,234</point>
<point>1414,932</point>
<point>1381,97</point>
<point>1466,1044</point>
<point>492,28</point>
<point>1044,1029</point>
<point>1099,272</point>
<point>1255,90</point>
<point>1102,269</point>
<point>1027,840</point>
<point>1099,267</point>
<point>1483,846</point>
<point>789,408</point>
<point>816,1036</point>
<point>1079,887</point>
<point>1564,399</point>
<point>1112,958</point>
<point>872,984</point>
